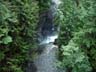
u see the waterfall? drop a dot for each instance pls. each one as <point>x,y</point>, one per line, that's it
<point>47,59</point>
<point>48,33</point>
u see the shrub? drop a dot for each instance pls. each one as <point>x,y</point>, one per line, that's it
<point>18,23</point>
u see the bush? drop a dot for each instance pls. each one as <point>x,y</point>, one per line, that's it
<point>18,23</point>
<point>78,26</point>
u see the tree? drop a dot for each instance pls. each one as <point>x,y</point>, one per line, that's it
<point>78,27</point>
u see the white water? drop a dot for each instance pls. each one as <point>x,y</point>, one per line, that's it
<point>49,39</point>
<point>57,2</point>
<point>47,59</point>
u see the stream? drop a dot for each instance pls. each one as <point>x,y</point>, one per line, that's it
<point>47,60</point>
<point>47,34</point>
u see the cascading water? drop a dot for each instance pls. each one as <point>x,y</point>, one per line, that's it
<point>47,34</point>
<point>46,61</point>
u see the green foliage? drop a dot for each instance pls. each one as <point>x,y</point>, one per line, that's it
<point>44,5</point>
<point>74,58</point>
<point>6,40</point>
<point>18,23</point>
<point>2,56</point>
<point>77,39</point>
<point>78,26</point>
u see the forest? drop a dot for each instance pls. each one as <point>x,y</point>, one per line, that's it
<point>76,38</point>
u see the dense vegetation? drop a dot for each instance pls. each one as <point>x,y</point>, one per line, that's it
<point>78,35</point>
<point>77,38</point>
<point>18,20</point>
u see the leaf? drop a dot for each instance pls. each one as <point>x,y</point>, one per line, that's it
<point>80,58</point>
<point>7,40</point>
<point>66,53</point>
<point>2,55</point>
<point>4,30</point>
